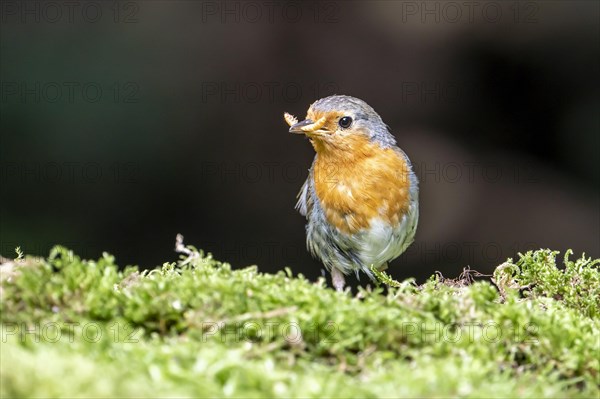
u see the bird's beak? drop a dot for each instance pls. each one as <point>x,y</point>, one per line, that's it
<point>297,127</point>
<point>307,126</point>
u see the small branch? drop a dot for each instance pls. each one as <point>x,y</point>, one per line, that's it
<point>182,249</point>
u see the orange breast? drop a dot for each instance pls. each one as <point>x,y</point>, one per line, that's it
<point>361,182</point>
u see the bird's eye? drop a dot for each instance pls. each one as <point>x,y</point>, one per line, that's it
<point>345,122</point>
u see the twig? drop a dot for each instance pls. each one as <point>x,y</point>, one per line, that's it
<point>182,249</point>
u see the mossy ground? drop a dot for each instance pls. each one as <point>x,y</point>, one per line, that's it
<point>82,328</point>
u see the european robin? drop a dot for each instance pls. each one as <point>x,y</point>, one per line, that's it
<point>361,196</point>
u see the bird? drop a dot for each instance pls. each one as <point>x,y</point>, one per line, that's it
<point>360,198</point>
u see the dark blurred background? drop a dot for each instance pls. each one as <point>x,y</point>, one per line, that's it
<point>125,123</point>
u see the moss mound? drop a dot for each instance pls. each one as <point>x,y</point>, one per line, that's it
<point>73,327</point>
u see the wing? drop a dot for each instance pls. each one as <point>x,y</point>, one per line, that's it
<point>306,196</point>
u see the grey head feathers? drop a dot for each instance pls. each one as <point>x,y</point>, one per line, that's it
<point>364,116</point>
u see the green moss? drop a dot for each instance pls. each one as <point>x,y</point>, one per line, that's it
<point>73,327</point>
<point>577,285</point>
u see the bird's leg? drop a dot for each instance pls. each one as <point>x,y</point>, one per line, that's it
<point>338,280</point>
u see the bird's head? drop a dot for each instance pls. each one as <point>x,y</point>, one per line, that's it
<point>339,123</point>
